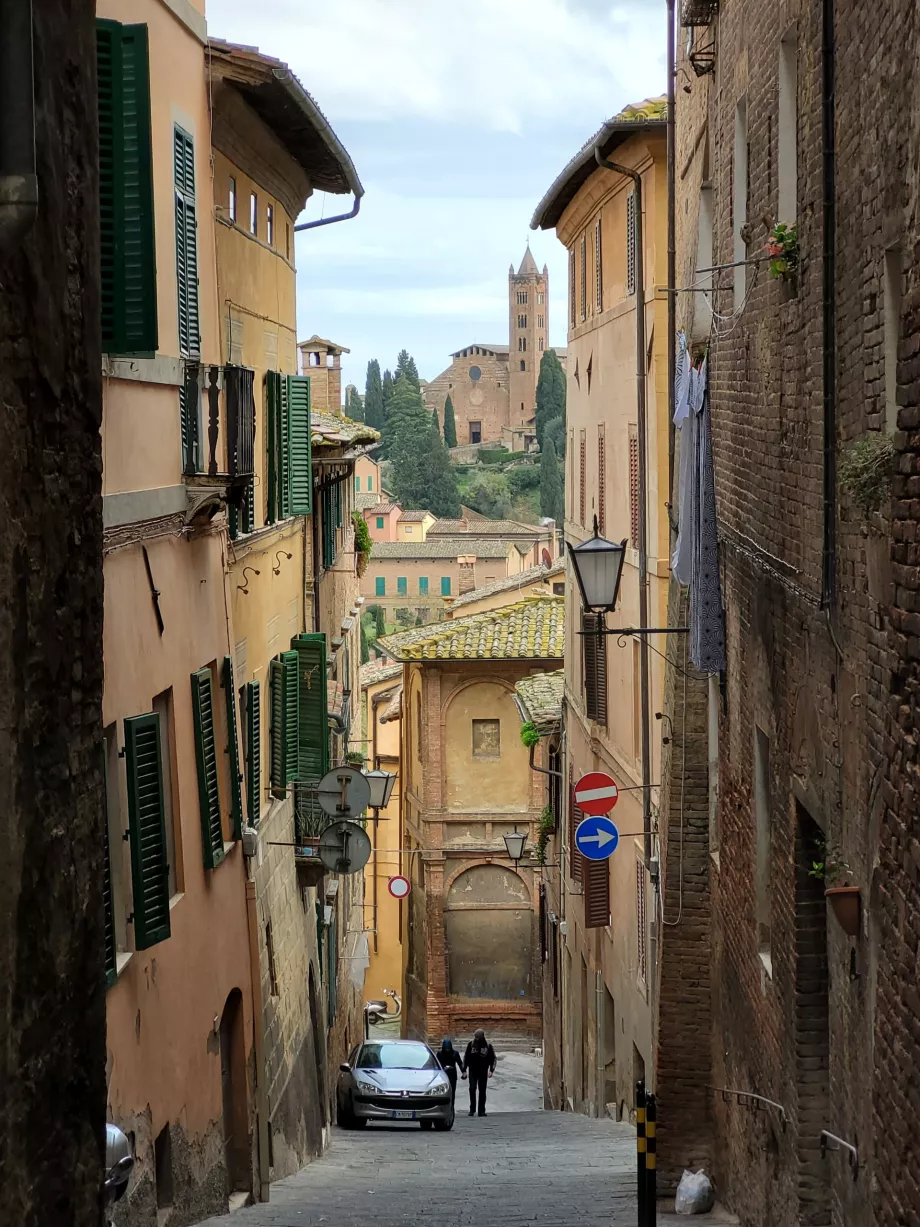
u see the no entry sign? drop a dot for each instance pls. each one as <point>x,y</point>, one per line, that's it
<point>596,793</point>
<point>398,887</point>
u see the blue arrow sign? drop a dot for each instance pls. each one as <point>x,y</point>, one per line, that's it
<point>596,838</point>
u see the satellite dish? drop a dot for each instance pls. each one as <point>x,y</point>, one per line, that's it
<point>344,792</point>
<point>344,847</point>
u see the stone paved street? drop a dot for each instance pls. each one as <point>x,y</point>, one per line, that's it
<point>512,1168</point>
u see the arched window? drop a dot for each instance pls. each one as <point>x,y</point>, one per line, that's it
<point>523,365</point>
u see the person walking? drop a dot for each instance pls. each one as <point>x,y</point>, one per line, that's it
<point>450,1061</point>
<point>479,1065</point>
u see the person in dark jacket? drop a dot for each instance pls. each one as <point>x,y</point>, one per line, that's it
<point>479,1064</point>
<point>450,1061</point>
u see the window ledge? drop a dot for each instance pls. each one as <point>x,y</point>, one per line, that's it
<point>176,898</point>
<point>766,963</point>
<point>714,857</point>
<point>122,959</point>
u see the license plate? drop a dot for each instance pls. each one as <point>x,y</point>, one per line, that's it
<point>403,1116</point>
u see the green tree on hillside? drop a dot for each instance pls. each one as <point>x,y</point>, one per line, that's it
<point>435,424</point>
<point>550,392</point>
<point>555,430</point>
<point>450,426</point>
<point>422,475</point>
<point>354,406</point>
<point>387,388</point>
<point>552,493</point>
<point>405,365</point>
<point>489,494</point>
<point>373,396</point>
<point>443,499</point>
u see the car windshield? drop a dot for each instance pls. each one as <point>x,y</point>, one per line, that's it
<point>396,1056</point>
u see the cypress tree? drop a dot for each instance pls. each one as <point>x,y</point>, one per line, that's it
<point>373,396</point>
<point>450,426</point>
<point>423,475</point>
<point>443,498</point>
<point>555,430</point>
<point>552,494</point>
<point>405,365</point>
<point>550,392</point>
<point>354,407</point>
<point>380,621</point>
<point>435,424</point>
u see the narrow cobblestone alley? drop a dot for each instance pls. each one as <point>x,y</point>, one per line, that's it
<point>512,1168</point>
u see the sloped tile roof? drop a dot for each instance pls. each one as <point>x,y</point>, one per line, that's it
<point>383,509</point>
<point>329,430</point>
<point>532,575</point>
<point>394,707</point>
<point>364,501</point>
<point>447,547</point>
<point>532,629</point>
<point>414,517</point>
<point>379,671</point>
<point>541,698</point>
<point>484,528</point>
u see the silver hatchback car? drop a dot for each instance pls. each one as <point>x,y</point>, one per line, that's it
<point>393,1080</point>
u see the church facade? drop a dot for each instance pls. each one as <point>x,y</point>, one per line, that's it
<point>493,388</point>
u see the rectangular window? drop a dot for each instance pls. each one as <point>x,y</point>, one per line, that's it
<point>253,720</point>
<point>127,247</point>
<point>287,240</point>
<point>572,288</point>
<point>409,530</point>
<point>740,189</point>
<point>284,694</point>
<point>270,226</point>
<point>423,585</point>
<point>445,585</point>
<point>762,826</point>
<point>163,708</point>
<point>583,269</point>
<point>598,269</point>
<point>601,480</point>
<point>186,243</point>
<point>402,585</point>
<point>632,254</point>
<point>290,474</point>
<point>357,485</point>
<point>787,135</point>
<point>540,298</point>
<point>380,585</point>
<point>641,924</point>
<point>892,308</point>
<point>212,834</point>
<point>487,739</point>
<point>582,478</point>
<point>634,486</point>
<point>522,321</point>
<point>231,203</point>
<point>594,663</point>
<point>475,432</point>
<point>540,321</point>
<point>311,736</point>
<point>370,484</point>
<point>522,345</point>
<point>702,308</point>
<point>232,750</point>
<point>147,830</point>
<point>380,521</point>
<point>713,731</point>
<point>253,213</point>
<point>522,298</point>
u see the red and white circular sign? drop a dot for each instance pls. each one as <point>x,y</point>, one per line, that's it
<point>596,793</point>
<point>398,887</point>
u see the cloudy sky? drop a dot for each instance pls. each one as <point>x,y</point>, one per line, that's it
<point>458,116</point>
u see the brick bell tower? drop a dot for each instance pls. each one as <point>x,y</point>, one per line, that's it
<point>528,333</point>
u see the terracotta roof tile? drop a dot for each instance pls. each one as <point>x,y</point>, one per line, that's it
<point>532,575</point>
<point>541,698</point>
<point>532,629</point>
<point>446,547</point>
<point>379,671</point>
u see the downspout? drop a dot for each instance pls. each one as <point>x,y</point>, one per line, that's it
<point>330,221</point>
<point>598,1039</point>
<point>642,440</point>
<point>672,260</point>
<point>255,975</point>
<point>18,180</point>
<point>829,567</point>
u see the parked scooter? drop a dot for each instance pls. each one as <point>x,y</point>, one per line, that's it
<point>119,1163</point>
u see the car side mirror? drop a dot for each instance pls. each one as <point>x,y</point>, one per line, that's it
<point>345,1068</point>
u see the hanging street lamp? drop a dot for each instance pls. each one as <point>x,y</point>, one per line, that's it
<point>381,785</point>
<point>514,844</point>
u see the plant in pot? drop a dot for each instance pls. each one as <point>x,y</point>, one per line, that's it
<point>363,543</point>
<point>840,894</point>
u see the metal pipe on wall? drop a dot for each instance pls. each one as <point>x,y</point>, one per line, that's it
<point>599,1038</point>
<point>18,178</point>
<point>672,255</point>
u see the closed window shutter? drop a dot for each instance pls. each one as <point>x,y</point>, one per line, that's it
<point>594,649</point>
<point>631,243</point>
<point>147,828</point>
<point>301,473</point>
<point>276,727</point>
<point>127,244</point>
<point>572,288</point>
<point>597,894</point>
<point>641,923</point>
<point>284,449</point>
<point>186,243</point>
<point>313,743</point>
<point>601,481</point>
<point>634,486</point>
<point>290,715</point>
<point>233,751</point>
<point>575,816</point>
<point>583,477</point>
<point>583,263</point>
<point>212,835</point>
<point>270,404</point>
<point>598,268</point>
<point>253,752</point>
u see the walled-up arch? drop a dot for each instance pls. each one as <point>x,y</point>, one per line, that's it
<point>488,929</point>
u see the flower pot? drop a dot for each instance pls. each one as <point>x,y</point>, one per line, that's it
<point>844,901</point>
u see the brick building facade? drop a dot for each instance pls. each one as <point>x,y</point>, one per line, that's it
<point>811,760</point>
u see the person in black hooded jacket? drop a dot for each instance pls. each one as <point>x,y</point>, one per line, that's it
<point>479,1064</point>
<point>450,1061</point>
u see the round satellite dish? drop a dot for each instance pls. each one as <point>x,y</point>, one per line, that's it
<point>344,847</point>
<point>344,792</point>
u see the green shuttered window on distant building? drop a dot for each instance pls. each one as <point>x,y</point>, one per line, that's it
<point>253,700</point>
<point>186,243</point>
<point>212,838</point>
<point>290,477</point>
<point>147,830</point>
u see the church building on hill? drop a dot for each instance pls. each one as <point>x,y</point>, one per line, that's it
<point>493,388</point>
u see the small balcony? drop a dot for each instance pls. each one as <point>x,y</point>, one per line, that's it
<point>218,417</point>
<point>698,12</point>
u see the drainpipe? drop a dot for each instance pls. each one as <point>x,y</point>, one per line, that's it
<point>255,975</point>
<point>672,260</point>
<point>642,441</point>
<point>829,568</point>
<point>330,221</point>
<point>598,1034</point>
<point>18,180</point>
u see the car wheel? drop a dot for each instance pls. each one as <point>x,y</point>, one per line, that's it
<point>341,1116</point>
<point>426,1124</point>
<point>442,1126</point>
<point>358,1122</point>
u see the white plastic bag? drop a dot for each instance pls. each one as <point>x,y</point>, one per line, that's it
<point>694,1194</point>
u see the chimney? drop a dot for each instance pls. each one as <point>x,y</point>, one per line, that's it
<point>467,580</point>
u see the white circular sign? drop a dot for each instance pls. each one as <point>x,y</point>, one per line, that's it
<point>398,887</point>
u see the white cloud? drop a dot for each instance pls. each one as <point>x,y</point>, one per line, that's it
<point>497,63</point>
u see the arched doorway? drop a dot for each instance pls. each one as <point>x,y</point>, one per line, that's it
<point>488,926</point>
<point>233,1090</point>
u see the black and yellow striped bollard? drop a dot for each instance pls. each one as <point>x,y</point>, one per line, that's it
<point>641,1175</point>
<point>651,1170</point>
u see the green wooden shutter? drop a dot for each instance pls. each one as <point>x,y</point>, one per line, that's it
<point>253,752</point>
<point>276,727</point>
<point>300,467</point>
<point>147,829</point>
<point>233,751</point>
<point>284,449</point>
<point>186,243</point>
<point>313,725</point>
<point>269,401</point>
<point>212,836</point>
<point>127,244</point>
<point>108,902</point>
<point>291,714</point>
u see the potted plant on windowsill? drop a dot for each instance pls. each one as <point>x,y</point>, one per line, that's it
<point>843,897</point>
